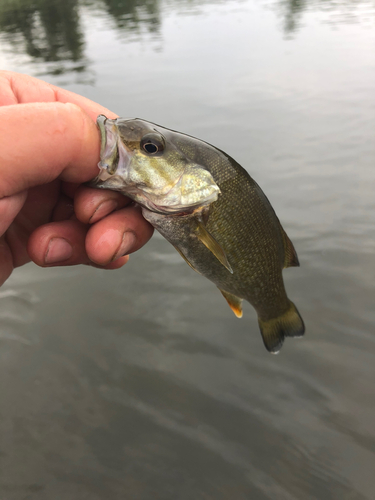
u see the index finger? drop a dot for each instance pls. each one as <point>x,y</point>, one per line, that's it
<point>40,142</point>
<point>17,88</point>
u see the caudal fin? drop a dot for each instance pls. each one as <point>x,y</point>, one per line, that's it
<point>289,324</point>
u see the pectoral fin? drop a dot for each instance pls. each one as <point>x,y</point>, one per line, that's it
<point>235,303</point>
<point>209,241</point>
<point>186,259</point>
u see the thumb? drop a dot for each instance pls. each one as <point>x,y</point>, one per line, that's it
<point>40,142</point>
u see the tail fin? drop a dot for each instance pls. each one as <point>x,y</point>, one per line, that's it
<point>289,324</point>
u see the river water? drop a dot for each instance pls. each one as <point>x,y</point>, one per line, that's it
<point>140,384</point>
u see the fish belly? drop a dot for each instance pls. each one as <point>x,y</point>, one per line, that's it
<point>263,289</point>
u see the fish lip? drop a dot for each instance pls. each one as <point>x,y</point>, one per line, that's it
<point>100,122</point>
<point>114,155</point>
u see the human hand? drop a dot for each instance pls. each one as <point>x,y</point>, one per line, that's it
<point>49,145</point>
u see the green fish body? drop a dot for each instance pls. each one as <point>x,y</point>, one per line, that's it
<point>210,209</point>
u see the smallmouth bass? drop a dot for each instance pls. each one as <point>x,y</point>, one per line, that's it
<point>210,209</point>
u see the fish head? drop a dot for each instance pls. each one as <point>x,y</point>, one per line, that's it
<point>143,161</point>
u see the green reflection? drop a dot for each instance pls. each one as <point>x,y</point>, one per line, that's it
<point>47,30</point>
<point>129,14</point>
<point>336,12</point>
<point>292,10</point>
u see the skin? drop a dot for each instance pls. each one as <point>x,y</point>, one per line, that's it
<point>49,146</point>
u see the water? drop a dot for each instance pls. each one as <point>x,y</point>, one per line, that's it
<point>140,384</point>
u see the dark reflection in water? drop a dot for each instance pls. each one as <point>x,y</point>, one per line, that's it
<point>129,14</point>
<point>50,32</point>
<point>47,30</point>
<point>291,13</point>
<point>344,11</point>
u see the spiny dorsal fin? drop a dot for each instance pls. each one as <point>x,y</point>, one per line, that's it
<point>291,259</point>
<point>235,303</point>
<point>209,241</point>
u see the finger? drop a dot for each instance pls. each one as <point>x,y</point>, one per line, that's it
<point>116,264</point>
<point>91,205</point>
<point>59,244</point>
<point>9,208</point>
<point>92,108</point>
<point>121,233</point>
<point>64,209</point>
<point>51,139</point>
<point>17,88</point>
<point>6,260</point>
<point>69,188</point>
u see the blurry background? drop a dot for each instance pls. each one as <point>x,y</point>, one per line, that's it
<point>141,384</point>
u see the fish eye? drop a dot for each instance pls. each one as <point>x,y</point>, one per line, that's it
<point>150,148</point>
<point>152,144</point>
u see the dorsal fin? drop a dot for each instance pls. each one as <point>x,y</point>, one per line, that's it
<point>291,259</point>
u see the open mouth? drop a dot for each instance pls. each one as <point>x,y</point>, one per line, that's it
<point>108,147</point>
<point>114,156</point>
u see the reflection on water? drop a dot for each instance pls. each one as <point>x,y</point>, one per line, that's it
<point>16,308</point>
<point>129,14</point>
<point>49,31</point>
<point>336,13</point>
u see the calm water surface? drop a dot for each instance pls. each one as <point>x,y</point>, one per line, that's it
<point>141,384</point>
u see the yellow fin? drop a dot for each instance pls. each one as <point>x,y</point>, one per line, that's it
<point>235,303</point>
<point>291,259</point>
<point>209,241</point>
<point>186,259</point>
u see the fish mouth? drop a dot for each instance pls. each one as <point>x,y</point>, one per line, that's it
<point>115,157</point>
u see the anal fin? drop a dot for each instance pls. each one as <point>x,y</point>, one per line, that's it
<point>209,241</point>
<point>235,303</point>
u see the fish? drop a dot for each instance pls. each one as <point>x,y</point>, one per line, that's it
<point>211,210</point>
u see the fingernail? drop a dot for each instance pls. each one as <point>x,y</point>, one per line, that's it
<point>127,243</point>
<point>58,250</point>
<point>103,209</point>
